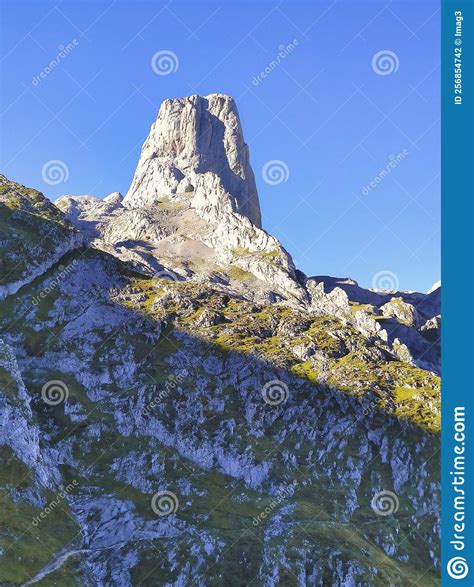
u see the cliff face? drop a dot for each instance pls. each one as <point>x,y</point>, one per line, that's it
<point>196,150</point>
<point>179,405</point>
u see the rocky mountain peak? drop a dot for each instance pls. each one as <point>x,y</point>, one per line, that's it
<point>114,198</point>
<point>196,152</point>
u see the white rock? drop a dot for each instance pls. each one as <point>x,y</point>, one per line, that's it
<point>196,145</point>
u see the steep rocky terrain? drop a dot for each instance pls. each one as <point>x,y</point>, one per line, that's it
<point>179,405</point>
<point>33,235</point>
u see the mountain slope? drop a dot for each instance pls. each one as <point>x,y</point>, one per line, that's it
<point>205,412</point>
<point>159,401</point>
<point>33,234</point>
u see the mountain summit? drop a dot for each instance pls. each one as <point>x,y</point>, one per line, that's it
<point>192,208</point>
<point>192,213</point>
<point>196,151</point>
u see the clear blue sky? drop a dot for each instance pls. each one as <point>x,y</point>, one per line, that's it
<point>323,111</point>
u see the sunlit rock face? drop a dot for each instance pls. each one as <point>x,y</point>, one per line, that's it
<point>196,150</point>
<point>193,205</point>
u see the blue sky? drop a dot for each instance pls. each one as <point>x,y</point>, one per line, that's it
<point>331,113</point>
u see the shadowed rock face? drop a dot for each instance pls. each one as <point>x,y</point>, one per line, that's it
<point>196,150</point>
<point>161,392</point>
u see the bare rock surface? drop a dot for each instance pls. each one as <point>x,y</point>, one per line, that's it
<point>196,150</point>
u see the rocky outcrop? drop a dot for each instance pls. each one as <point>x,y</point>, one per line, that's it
<point>193,204</point>
<point>196,151</point>
<point>17,427</point>
<point>90,214</point>
<point>431,329</point>
<point>35,234</point>
<point>402,311</point>
<point>77,207</point>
